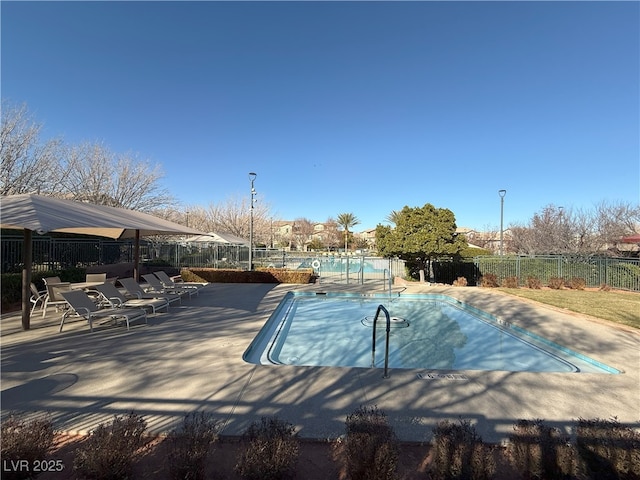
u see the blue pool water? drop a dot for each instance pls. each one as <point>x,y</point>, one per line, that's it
<point>427,332</point>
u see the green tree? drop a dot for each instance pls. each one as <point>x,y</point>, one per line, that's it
<point>420,235</point>
<point>347,221</point>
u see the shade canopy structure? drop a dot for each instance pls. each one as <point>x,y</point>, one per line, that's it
<point>213,237</point>
<point>42,214</point>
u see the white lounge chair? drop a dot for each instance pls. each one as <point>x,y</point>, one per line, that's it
<point>116,299</point>
<point>157,286</point>
<point>96,277</point>
<point>82,305</point>
<point>134,289</point>
<point>38,297</point>
<point>168,282</point>
<point>54,297</point>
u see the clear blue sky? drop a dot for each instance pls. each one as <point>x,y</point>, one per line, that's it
<point>351,107</point>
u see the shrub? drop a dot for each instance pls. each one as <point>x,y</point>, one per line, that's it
<point>511,282</point>
<point>458,452</point>
<point>577,283</point>
<point>25,440</point>
<point>158,262</point>
<point>608,449</point>
<point>538,451</point>
<point>188,446</point>
<point>11,289</point>
<point>489,280</point>
<point>460,282</point>
<point>556,283</point>
<point>270,452</point>
<point>109,451</point>
<point>624,275</point>
<point>370,448</point>
<point>534,283</point>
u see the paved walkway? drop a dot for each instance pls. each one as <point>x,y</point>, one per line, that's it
<point>191,358</point>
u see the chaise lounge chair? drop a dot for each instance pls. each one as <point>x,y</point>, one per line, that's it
<point>134,289</point>
<point>168,282</point>
<point>95,277</point>
<point>82,305</point>
<point>116,299</point>
<point>156,286</point>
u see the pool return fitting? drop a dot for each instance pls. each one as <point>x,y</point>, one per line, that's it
<point>373,344</point>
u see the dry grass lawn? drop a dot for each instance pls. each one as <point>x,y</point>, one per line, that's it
<point>619,307</point>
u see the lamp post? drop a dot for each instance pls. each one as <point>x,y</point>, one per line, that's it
<point>252,177</point>
<point>502,193</point>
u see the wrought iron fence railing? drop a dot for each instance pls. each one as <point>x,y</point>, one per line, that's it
<point>52,254</point>
<point>62,253</point>
<point>619,273</point>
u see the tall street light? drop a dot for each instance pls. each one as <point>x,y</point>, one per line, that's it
<point>252,177</point>
<point>502,193</point>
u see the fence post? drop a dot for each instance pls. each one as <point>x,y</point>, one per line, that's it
<point>559,267</point>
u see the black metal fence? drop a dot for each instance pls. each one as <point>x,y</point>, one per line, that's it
<point>619,273</point>
<point>53,254</point>
<point>62,253</point>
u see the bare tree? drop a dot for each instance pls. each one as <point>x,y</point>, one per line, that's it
<point>614,220</point>
<point>87,172</point>
<point>302,232</point>
<point>28,165</point>
<point>553,230</point>
<point>194,216</point>
<point>332,236</point>
<point>95,174</point>
<point>557,230</point>
<point>233,216</point>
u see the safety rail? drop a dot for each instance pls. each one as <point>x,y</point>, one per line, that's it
<point>373,344</point>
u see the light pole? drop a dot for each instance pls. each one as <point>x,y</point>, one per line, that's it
<point>252,177</point>
<point>502,193</point>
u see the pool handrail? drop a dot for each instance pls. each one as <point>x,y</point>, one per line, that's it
<point>373,344</point>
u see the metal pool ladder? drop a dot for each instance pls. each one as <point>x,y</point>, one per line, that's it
<point>373,344</point>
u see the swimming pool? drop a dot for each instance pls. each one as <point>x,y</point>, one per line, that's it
<point>427,331</point>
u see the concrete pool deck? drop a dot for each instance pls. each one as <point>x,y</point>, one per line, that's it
<point>191,359</point>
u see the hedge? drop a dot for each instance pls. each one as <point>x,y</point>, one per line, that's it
<point>260,275</point>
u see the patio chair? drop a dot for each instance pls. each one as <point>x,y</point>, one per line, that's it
<point>82,305</point>
<point>54,296</point>
<point>38,297</point>
<point>52,280</point>
<point>169,282</point>
<point>116,299</point>
<point>134,289</point>
<point>157,286</point>
<point>96,277</point>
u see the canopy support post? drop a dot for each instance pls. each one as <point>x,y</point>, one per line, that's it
<point>136,257</point>
<point>27,257</point>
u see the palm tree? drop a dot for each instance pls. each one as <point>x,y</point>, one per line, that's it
<point>393,217</point>
<point>346,221</point>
